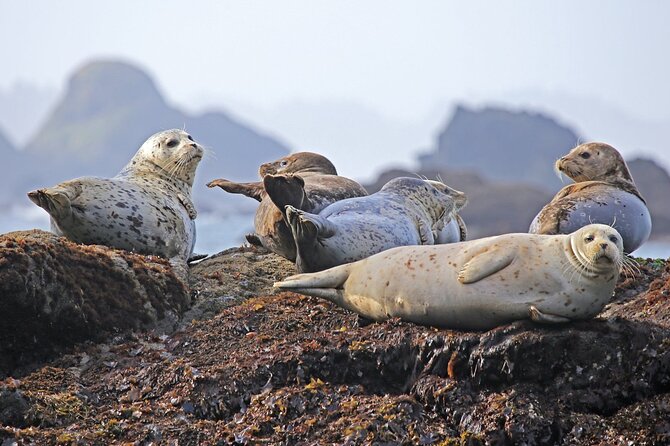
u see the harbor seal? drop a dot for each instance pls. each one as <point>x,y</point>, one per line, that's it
<point>406,211</point>
<point>478,284</point>
<point>146,208</point>
<point>304,180</point>
<point>603,192</point>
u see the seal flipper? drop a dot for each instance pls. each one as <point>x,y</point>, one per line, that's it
<point>545,318</point>
<point>307,230</point>
<point>287,190</point>
<point>486,263</point>
<point>57,201</point>
<point>251,190</point>
<point>462,229</point>
<point>326,284</point>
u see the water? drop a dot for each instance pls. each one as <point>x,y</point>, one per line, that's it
<point>216,233</point>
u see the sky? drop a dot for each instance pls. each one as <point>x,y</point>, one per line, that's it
<point>397,64</point>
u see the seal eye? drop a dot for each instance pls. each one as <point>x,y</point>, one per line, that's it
<point>283,163</point>
<point>171,143</point>
<point>585,155</point>
<point>588,238</point>
<point>613,238</point>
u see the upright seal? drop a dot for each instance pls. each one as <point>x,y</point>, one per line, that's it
<point>304,180</point>
<point>603,192</point>
<point>479,284</point>
<point>406,211</point>
<point>146,208</point>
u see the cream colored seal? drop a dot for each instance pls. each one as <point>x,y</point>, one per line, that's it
<point>603,192</point>
<point>478,284</point>
<point>146,208</point>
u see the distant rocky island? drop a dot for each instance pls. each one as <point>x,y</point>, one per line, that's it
<point>502,159</point>
<point>502,145</point>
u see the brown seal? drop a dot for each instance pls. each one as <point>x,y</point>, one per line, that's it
<point>305,180</point>
<point>603,192</point>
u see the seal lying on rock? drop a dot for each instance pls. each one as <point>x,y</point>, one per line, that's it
<point>406,211</point>
<point>305,180</point>
<point>603,192</point>
<point>146,208</point>
<point>479,284</point>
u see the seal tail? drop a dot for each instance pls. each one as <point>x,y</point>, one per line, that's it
<point>55,201</point>
<point>326,284</point>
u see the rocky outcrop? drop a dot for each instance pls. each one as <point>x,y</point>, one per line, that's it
<point>110,108</point>
<point>55,293</point>
<point>502,145</point>
<point>288,369</point>
<point>653,182</point>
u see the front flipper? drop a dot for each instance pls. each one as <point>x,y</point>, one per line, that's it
<point>188,205</point>
<point>425,233</point>
<point>545,318</point>
<point>251,190</point>
<point>486,263</point>
<point>287,190</point>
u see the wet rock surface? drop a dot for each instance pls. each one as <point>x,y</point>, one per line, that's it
<point>55,293</point>
<point>288,369</point>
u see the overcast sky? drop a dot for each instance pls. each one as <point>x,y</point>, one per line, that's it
<point>399,59</point>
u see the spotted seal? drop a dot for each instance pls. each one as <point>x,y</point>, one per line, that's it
<point>406,211</point>
<point>146,208</point>
<point>603,192</point>
<point>304,180</point>
<point>478,284</point>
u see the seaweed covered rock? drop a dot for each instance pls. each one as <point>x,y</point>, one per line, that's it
<point>289,369</point>
<point>54,293</point>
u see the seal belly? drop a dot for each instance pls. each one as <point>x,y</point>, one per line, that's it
<point>609,206</point>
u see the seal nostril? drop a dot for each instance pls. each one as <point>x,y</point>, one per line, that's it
<point>603,245</point>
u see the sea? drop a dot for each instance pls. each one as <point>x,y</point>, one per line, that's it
<point>216,233</point>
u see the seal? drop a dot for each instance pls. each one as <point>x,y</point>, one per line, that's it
<point>146,208</point>
<point>478,284</point>
<point>603,192</point>
<point>304,180</point>
<point>406,211</point>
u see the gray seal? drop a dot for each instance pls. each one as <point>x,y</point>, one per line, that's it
<point>146,208</point>
<point>304,180</point>
<point>603,192</point>
<point>478,284</point>
<point>406,211</point>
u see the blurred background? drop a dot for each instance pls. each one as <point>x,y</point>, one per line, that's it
<point>485,94</point>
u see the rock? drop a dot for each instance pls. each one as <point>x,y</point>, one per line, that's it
<point>54,293</point>
<point>289,369</point>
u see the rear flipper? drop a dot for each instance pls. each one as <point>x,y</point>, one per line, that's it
<point>307,229</point>
<point>326,284</point>
<point>57,201</point>
<point>287,190</point>
<point>251,190</point>
<point>253,239</point>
